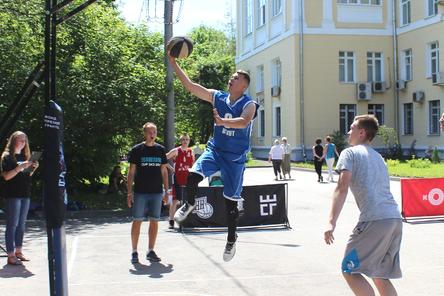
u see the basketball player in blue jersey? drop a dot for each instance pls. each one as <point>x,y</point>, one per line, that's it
<point>227,151</point>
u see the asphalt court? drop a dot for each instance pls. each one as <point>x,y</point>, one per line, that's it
<point>279,261</point>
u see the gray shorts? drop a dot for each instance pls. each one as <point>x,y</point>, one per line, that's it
<point>373,249</point>
<point>147,206</point>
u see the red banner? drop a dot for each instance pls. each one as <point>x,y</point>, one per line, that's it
<point>422,197</point>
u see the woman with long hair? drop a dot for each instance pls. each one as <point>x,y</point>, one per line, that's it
<point>17,169</point>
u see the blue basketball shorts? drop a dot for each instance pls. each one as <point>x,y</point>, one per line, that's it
<point>231,167</point>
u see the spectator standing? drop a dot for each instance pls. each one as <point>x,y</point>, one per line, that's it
<point>329,154</point>
<point>275,157</point>
<point>148,170</point>
<point>183,161</point>
<point>286,159</point>
<point>318,159</point>
<point>17,169</point>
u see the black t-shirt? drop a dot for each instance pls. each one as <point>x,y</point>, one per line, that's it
<point>20,184</point>
<point>319,151</point>
<point>148,159</point>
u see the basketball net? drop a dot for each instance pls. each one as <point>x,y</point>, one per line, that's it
<point>152,11</point>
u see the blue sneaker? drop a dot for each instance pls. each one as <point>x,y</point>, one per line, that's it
<point>134,258</point>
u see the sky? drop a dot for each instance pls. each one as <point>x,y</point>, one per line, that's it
<point>194,13</point>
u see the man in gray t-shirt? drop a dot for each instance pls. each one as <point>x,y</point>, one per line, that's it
<point>373,247</point>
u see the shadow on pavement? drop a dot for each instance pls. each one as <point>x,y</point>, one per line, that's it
<point>15,271</point>
<point>155,270</point>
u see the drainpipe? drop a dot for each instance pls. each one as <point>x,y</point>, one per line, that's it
<point>301,77</point>
<point>395,68</point>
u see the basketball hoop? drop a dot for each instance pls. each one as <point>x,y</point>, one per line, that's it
<point>152,11</point>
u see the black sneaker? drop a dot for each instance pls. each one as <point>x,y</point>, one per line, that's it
<point>230,250</point>
<point>152,257</point>
<point>134,258</point>
<point>171,224</point>
<point>182,213</point>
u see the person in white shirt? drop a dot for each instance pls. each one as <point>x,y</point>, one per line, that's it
<point>286,167</point>
<point>275,156</point>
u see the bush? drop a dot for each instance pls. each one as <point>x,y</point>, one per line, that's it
<point>420,163</point>
<point>392,162</point>
<point>435,156</point>
<point>339,140</point>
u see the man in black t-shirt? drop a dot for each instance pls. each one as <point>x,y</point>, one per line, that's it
<point>148,170</point>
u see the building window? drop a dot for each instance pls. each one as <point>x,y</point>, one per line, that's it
<point>277,121</point>
<point>346,66</point>
<point>249,17</point>
<point>261,122</point>
<point>261,12</point>
<point>276,7</point>
<point>361,2</point>
<point>260,79</point>
<point>407,72</point>
<point>405,12</point>
<point>434,58</point>
<point>408,119</point>
<point>434,114</point>
<point>347,113</point>
<point>374,67</point>
<point>378,111</point>
<point>276,75</point>
<point>432,7</point>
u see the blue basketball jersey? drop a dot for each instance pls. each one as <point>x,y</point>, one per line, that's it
<point>231,140</point>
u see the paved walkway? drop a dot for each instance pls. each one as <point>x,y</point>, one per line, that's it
<point>268,262</point>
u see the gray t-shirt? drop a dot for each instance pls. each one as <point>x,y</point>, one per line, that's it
<point>370,183</point>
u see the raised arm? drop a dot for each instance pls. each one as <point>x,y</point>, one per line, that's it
<point>194,88</point>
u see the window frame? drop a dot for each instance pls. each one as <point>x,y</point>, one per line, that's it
<point>433,58</point>
<point>346,59</point>
<point>407,6</point>
<point>276,7</point>
<point>407,64</point>
<point>260,79</point>
<point>249,8</point>
<point>407,121</point>
<point>261,13</point>
<point>347,109</point>
<point>377,110</point>
<point>434,113</point>
<point>372,66</point>
<point>432,8</point>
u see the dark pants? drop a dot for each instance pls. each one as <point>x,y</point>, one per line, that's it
<point>318,168</point>
<point>231,210</point>
<point>276,166</point>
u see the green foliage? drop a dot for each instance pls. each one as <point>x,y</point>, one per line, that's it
<point>435,155</point>
<point>339,140</point>
<point>110,81</point>
<point>420,163</point>
<point>392,162</point>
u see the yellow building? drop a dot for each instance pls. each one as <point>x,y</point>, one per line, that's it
<point>316,64</point>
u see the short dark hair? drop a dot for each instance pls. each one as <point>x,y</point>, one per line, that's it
<point>245,74</point>
<point>369,123</point>
<point>328,139</point>
<point>318,141</point>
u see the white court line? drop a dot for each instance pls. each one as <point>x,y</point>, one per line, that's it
<point>170,293</point>
<point>72,258</point>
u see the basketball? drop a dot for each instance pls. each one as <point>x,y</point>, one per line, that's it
<point>180,47</point>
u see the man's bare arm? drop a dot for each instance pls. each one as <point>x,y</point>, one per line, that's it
<point>194,88</point>
<point>237,122</point>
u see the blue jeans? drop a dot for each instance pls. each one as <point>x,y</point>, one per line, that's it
<point>16,213</point>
